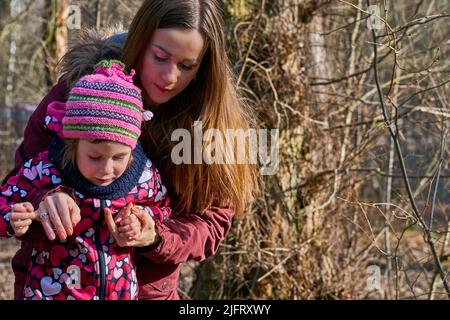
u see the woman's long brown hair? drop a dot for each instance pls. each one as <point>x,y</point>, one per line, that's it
<point>211,98</point>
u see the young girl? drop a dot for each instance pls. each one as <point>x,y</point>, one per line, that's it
<point>103,167</point>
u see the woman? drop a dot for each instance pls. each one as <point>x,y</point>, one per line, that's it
<point>178,50</point>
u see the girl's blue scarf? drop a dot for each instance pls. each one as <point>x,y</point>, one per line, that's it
<point>71,176</point>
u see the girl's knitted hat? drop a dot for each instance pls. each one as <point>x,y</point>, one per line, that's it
<point>105,105</point>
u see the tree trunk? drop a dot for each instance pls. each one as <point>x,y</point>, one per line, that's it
<point>15,8</point>
<point>61,33</point>
<point>55,37</point>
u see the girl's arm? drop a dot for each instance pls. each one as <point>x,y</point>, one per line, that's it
<point>36,175</point>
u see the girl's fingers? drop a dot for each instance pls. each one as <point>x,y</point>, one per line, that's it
<point>28,207</point>
<point>130,220</point>
<point>131,226</point>
<point>112,227</point>
<point>21,223</point>
<point>130,232</point>
<point>23,215</point>
<point>128,209</point>
<point>119,217</point>
<point>20,231</point>
<point>124,213</point>
<point>125,228</point>
<point>22,207</point>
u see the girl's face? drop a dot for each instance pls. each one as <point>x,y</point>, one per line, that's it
<point>102,163</point>
<point>169,63</point>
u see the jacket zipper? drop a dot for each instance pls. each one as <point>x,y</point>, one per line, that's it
<point>101,256</point>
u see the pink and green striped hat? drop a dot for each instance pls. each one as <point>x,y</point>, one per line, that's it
<point>105,105</point>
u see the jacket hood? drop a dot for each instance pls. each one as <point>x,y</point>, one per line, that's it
<point>86,49</point>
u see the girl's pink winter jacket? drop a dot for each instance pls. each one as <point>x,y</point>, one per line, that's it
<point>89,264</point>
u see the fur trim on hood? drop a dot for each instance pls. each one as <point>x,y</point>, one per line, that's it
<point>85,50</point>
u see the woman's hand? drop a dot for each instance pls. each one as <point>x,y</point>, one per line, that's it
<point>59,212</point>
<point>147,235</point>
<point>22,216</point>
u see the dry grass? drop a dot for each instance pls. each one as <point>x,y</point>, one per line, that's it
<point>7,249</point>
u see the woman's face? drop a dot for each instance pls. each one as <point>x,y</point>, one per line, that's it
<point>169,63</point>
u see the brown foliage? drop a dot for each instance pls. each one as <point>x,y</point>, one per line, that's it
<point>337,204</point>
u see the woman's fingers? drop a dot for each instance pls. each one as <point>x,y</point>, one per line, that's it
<point>75,215</point>
<point>64,205</point>
<point>132,235</point>
<point>63,213</point>
<point>129,228</point>
<point>42,215</point>
<point>53,214</point>
<point>59,212</point>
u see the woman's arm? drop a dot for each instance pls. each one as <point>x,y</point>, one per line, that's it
<point>189,236</point>
<point>159,202</point>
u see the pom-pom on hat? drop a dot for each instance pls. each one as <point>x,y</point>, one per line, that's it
<point>105,105</point>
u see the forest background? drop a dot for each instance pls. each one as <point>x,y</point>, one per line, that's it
<point>359,91</point>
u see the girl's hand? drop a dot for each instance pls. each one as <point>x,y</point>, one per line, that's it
<point>129,225</point>
<point>22,216</point>
<point>59,212</point>
<point>147,236</point>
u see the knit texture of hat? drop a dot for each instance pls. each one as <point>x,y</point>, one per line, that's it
<point>105,105</point>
